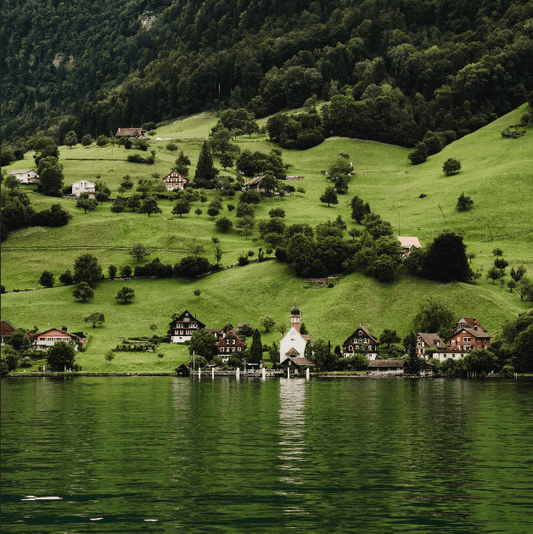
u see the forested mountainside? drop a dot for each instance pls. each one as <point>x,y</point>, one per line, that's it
<point>394,68</point>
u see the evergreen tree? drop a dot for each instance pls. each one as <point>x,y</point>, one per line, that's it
<point>256,350</point>
<point>205,171</point>
<point>412,364</point>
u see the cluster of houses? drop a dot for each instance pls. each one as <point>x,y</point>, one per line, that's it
<point>44,340</point>
<point>467,335</point>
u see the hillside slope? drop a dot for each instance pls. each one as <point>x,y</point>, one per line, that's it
<point>496,172</point>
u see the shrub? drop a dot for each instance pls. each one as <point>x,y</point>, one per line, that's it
<point>223,224</point>
<point>243,260</point>
<point>451,166</point>
<point>26,362</point>
<point>109,356</point>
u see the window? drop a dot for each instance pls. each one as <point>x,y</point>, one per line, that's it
<point>465,339</point>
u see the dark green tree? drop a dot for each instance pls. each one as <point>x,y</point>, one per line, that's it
<point>412,364</point>
<point>149,205</point>
<point>87,269</point>
<point>139,251</point>
<point>464,202</point>
<point>182,207</point>
<point>47,279</point>
<point>83,292</point>
<point>434,317</point>
<point>60,356</point>
<point>451,166</point>
<point>71,139</point>
<point>329,196</point>
<point>205,171</point>
<point>85,203</point>
<point>256,349</point>
<point>224,225</point>
<point>203,344</point>
<point>66,278</point>
<point>45,147</point>
<point>445,259</point>
<point>50,173</point>
<point>125,294</point>
<point>389,336</point>
<point>95,318</point>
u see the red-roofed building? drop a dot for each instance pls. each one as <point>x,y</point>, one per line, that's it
<point>468,335</point>
<point>47,339</point>
<point>7,331</point>
<point>230,343</point>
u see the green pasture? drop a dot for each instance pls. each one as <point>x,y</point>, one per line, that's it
<point>496,172</point>
<point>245,294</point>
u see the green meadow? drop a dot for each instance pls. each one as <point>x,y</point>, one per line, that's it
<point>496,172</point>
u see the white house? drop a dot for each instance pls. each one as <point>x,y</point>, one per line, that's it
<point>84,186</point>
<point>293,343</point>
<point>26,176</point>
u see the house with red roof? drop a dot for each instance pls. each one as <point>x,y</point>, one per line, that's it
<point>7,331</point>
<point>47,339</point>
<point>230,343</point>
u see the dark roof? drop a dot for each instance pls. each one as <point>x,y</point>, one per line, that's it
<point>474,333</point>
<point>386,363</point>
<point>471,322</point>
<point>295,310</point>
<point>129,132</point>
<point>367,333</point>
<point>8,328</point>
<point>301,361</point>
<point>292,352</point>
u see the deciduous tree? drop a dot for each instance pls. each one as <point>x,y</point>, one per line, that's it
<point>451,166</point>
<point>60,356</point>
<point>125,294</point>
<point>329,196</point>
<point>47,279</point>
<point>267,322</point>
<point>83,292</point>
<point>87,269</point>
<point>95,318</point>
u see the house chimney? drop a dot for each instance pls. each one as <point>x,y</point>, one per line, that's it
<point>64,328</point>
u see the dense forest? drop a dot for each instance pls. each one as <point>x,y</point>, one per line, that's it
<point>389,70</point>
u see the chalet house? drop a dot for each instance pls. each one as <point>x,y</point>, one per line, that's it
<point>7,331</point>
<point>361,339</point>
<point>468,335</point>
<point>408,244</point>
<point>184,327</point>
<point>47,339</point>
<point>174,181</point>
<point>292,345</point>
<point>386,367</point>
<point>26,176</point>
<point>229,344</point>
<point>84,186</point>
<point>428,341</point>
<point>134,133</point>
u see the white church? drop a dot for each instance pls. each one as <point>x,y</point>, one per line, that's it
<point>292,346</point>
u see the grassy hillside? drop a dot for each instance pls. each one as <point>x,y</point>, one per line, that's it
<point>496,173</point>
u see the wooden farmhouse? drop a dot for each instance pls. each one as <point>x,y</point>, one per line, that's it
<point>255,184</point>
<point>386,367</point>
<point>133,133</point>
<point>361,340</point>
<point>428,341</point>
<point>184,327</point>
<point>26,176</point>
<point>468,335</point>
<point>174,181</point>
<point>47,339</point>
<point>84,186</point>
<point>229,343</point>
<point>7,331</point>
<point>292,345</point>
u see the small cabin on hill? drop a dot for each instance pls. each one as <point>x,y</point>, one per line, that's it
<point>84,186</point>
<point>7,331</point>
<point>132,133</point>
<point>408,245</point>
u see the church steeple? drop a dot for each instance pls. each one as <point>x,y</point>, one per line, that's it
<point>295,318</point>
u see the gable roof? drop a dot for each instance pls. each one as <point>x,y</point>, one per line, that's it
<point>21,171</point>
<point>130,132</point>
<point>175,175</point>
<point>58,330</point>
<point>191,316</point>
<point>431,340</point>
<point>8,328</point>
<point>292,352</point>
<point>470,322</point>
<point>387,363</point>
<point>366,332</point>
<point>479,334</point>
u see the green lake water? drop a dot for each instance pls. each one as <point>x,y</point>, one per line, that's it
<point>164,454</point>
